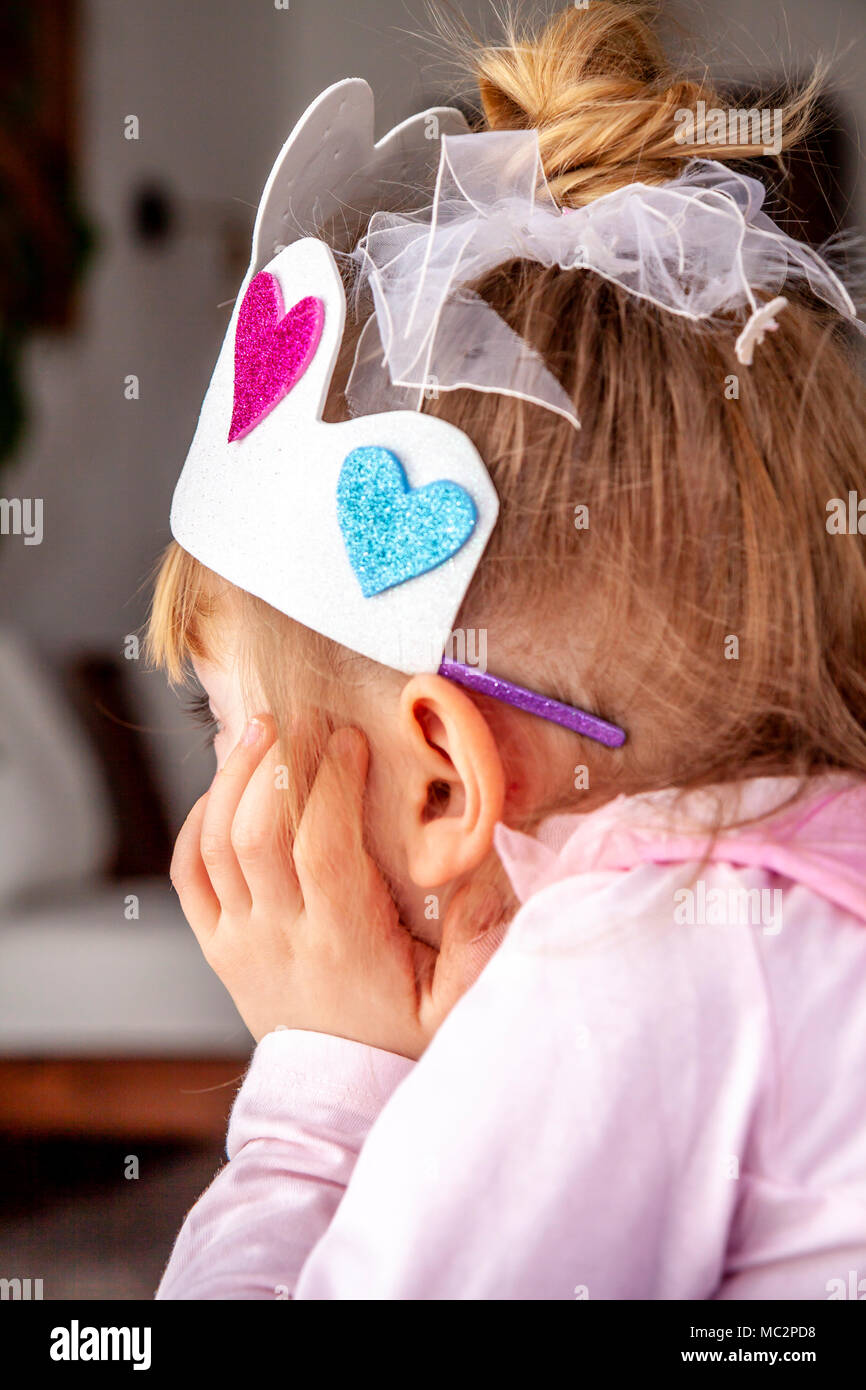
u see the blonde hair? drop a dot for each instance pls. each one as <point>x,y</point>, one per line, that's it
<point>706,513</point>
<point>597,86</point>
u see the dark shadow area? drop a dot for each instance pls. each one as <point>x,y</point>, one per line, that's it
<point>70,1217</point>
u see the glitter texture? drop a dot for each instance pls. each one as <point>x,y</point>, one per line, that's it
<point>272,350</point>
<point>569,715</point>
<point>262,512</point>
<point>393,532</point>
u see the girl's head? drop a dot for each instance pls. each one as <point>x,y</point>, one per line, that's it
<point>669,566</point>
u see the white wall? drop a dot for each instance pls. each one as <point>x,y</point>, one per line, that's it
<point>207,81</point>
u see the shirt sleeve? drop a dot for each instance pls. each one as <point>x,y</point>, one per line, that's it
<point>295,1131</point>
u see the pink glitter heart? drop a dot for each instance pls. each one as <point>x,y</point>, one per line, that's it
<point>272,350</point>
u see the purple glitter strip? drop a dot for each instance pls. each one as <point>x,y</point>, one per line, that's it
<point>572,718</point>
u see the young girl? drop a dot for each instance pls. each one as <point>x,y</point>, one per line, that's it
<point>541,1013</point>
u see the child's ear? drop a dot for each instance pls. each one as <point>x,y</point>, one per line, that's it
<point>456,784</point>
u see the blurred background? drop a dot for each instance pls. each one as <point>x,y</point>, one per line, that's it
<point>135,137</point>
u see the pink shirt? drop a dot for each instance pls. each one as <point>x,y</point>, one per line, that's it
<point>654,1089</point>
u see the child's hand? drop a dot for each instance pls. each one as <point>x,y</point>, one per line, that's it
<point>314,941</point>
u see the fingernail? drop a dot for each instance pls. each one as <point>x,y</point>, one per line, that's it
<point>351,749</point>
<point>252,733</point>
<point>342,743</point>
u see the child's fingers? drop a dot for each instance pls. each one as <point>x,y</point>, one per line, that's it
<point>226,791</point>
<point>267,869</point>
<point>469,938</point>
<point>331,862</point>
<point>189,876</point>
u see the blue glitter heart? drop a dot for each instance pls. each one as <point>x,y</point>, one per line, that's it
<point>394,532</point>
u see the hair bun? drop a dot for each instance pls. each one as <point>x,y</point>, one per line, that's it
<point>597,86</point>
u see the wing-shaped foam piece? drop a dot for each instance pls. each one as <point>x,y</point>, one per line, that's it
<point>331,169</point>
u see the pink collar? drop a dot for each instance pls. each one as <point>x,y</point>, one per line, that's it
<point>819,841</point>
